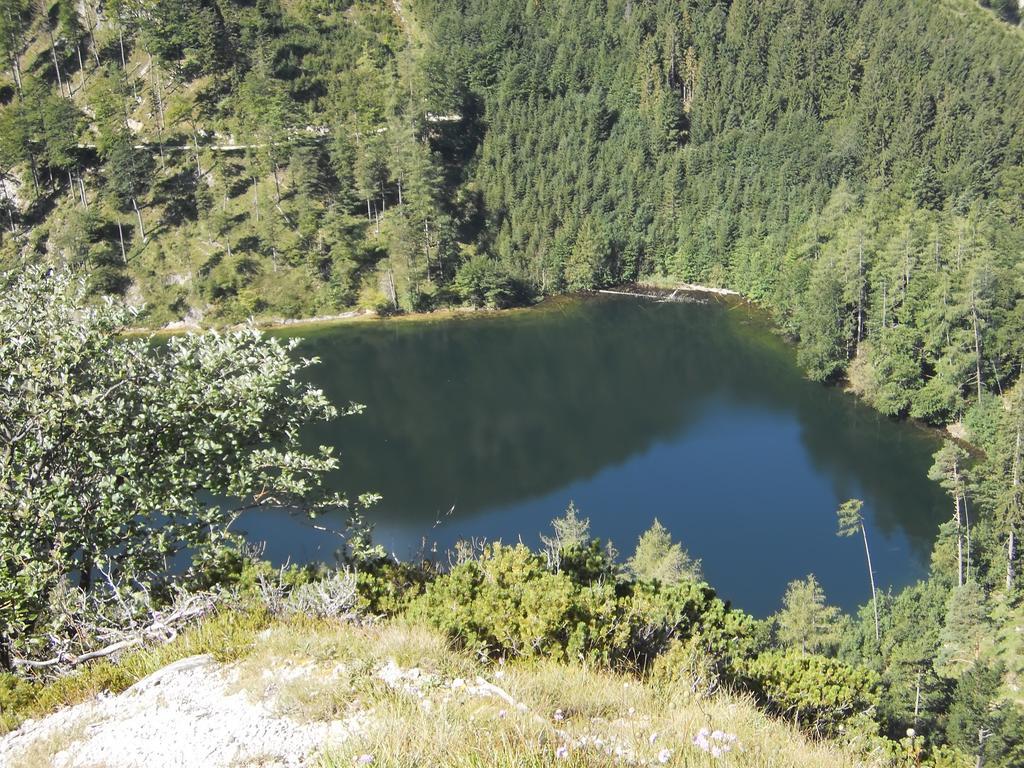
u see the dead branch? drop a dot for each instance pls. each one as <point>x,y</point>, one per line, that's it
<point>162,629</point>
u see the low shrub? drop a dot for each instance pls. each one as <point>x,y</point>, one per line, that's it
<point>16,695</point>
<point>386,588</point>
<point>822,696</point>
<point>508,603</point>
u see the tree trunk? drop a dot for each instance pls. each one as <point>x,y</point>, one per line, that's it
<point>15,43</point>
<point>35,172</point>
<point>426,244</point>
<point>154,71</point>
<point>138,215</point>
<point>977,347</point>
<point>1015,502</point>
<point>81,189</point>
<point>871,576</point>
<point>860,293</point>
<point>85,575</point>
<point>56,63</point>
<point>158,98</point>
<point>917,699</point>
<point>9,203</point>
<point>959,541</point>
<point>967,541</point>
<point>1010,554</point>
<point>124,62</point>
<point>995,375</point>
<point>94,24</point>
<point>81,66</point>
<point>120,233</point>
<point>195,143</point>
<point>906,270</point>
<point>957,495</point>
<point>16,72</point>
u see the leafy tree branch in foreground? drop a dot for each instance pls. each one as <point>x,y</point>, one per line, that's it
<point>119,455</point>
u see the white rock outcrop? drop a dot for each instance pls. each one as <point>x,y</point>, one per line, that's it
<point>191,713</point>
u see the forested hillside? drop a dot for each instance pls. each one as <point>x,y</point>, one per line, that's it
<point>223,159</point>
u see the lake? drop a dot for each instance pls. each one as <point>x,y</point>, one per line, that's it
<point>487,425</point>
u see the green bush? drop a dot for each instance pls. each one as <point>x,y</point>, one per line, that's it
<point>821,695</point>
<point>15,695</point>
<point>507,602</point>
<point>387,588</point>
<point>588,562</point>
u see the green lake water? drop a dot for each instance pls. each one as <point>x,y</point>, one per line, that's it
<point>487,425</point>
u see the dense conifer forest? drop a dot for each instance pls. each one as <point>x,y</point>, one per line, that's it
<point>854,166</point>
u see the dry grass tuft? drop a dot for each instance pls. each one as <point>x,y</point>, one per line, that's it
<point>565,715</point>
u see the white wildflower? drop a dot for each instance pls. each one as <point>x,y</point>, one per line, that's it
<point>716,743</point>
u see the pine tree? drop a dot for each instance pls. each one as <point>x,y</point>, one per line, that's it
<point>965,629</point>
<point>658,558</point>
<point>570,530</point>
<point>948,470</point>
<point>851,521</point>
<point>806,621</point>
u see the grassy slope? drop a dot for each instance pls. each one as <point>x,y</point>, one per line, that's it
<point>457,728</point>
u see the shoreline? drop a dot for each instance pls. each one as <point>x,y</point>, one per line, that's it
<point>677,292</point>
<point>285,323</point>
<point>643,290</point>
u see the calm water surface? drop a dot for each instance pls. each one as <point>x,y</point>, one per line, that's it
<point>692,413</point>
